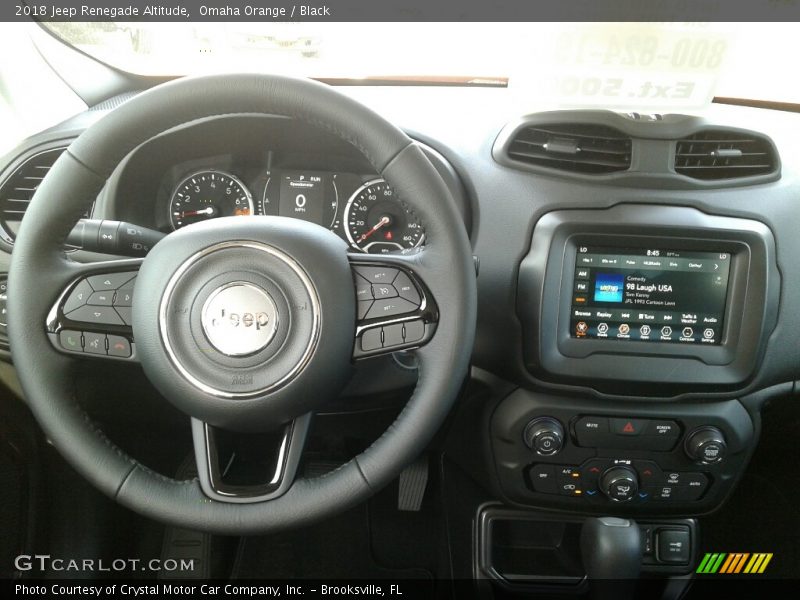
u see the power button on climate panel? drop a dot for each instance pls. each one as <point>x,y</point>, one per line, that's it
<point>544,435</point>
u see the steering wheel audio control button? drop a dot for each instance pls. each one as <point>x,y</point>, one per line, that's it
<point>101,299</point>
<point>124,295</point>
<point>78,297</point>
<point>96,315</point>
<point>110,281</point>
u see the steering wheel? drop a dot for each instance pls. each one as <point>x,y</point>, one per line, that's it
<point>243,324</point>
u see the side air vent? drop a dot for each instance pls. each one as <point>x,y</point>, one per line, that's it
<point>588,149</point>
<point>720,154</point>
<point>17,190</point>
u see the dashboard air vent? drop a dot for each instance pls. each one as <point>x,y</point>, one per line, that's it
<point>719,154</point>
<point>18,189</point>
<point>588,149</point>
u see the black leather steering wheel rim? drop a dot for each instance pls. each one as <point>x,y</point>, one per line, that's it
<point>40,269</point>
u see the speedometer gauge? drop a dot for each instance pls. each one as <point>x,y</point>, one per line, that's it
<point>207,195</point>
<point>377,222</point>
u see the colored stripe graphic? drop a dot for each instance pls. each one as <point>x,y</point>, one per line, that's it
<point>735,562</point>
<point>703,563</point>
<point>729,562</point>
<point>740,563</point>
<point>715,566</point>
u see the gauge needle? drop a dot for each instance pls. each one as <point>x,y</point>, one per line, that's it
<point>193,213</point>
<point>384,221</point>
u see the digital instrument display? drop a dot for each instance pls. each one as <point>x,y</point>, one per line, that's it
<point>302,196</point>
<point>649,295</point>
<point>308,195</point>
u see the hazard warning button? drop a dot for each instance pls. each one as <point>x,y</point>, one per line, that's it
<point>627,426</point>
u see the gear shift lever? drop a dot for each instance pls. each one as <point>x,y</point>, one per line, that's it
<point>611,549</point>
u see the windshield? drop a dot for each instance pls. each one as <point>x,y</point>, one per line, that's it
<point>641,65</point>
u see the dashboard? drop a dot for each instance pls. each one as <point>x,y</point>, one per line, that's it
<point>635,308</point>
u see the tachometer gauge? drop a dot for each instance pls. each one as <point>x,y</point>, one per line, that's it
<point>207,195</point>
<point>377,222</point>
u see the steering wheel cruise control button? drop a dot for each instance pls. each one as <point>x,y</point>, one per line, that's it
<point>377,275</point>
<point>406,288</point>
<point>383,291</point>
<point>363,288</point>
<point>390,308</point>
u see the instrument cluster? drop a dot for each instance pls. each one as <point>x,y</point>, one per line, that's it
<point>362,209</point>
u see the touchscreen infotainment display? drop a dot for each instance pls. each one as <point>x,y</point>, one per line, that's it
<point>649,295</point>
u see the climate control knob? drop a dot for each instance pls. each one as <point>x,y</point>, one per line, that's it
<point>706,445</point>
<point>619,483</point>
<point>544,435</point>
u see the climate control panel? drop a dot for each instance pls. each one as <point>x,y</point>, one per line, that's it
<point>618,480</point>
<point>592,456</point>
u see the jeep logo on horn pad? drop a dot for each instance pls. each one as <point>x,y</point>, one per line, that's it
<point>239,319</point>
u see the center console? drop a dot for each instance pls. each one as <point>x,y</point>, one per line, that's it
<point>645,303</point>
<point>640,325</point>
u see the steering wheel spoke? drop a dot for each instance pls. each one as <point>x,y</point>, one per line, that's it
<point>93,314</point>
<point>248,468</point>
<point>395,309</point>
